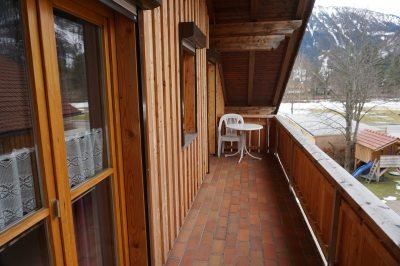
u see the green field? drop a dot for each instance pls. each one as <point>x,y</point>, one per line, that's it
<point>386,187</point>
<point>375,116</point>
<point>382,116</point>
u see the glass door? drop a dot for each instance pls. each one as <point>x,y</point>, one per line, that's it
<point>78,57</point>
<point>59,202</point>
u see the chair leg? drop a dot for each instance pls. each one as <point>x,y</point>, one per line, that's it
<point>219,148</point>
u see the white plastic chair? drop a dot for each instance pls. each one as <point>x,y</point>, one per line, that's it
<point>230,134</point>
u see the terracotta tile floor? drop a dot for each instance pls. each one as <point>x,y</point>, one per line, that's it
<point>244,214</point>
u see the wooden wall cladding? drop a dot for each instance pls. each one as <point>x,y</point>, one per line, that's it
<point>216,105</point>
<point>211,109</point>
<point>342,227</point>
<point>220,102</point>
<point>174,174</point>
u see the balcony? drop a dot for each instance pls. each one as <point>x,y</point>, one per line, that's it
<point>244,213</point>
<point>298,207</point>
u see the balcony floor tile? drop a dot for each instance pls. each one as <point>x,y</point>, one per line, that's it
<point>244,214</point>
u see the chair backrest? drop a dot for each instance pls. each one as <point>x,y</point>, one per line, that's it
<point>229,119</point>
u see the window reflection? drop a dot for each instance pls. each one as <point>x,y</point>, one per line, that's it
<point>29,249</point>
<point>19,193</point>
<point>82,88</point>
<point>94,227</point>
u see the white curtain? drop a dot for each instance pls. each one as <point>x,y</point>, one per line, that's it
<point>84,155</point>
<point>17,192</point>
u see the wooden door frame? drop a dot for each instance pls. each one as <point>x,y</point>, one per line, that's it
<point>102,16</point>
<point>133,139</point>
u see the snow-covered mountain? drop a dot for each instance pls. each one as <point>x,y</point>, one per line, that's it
<point>330,27</point>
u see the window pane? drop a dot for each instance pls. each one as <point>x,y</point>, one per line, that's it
<point>82,89</point>
<point>28,249</point>
<point>189,94</point>
<point>19,193</point>
<point>94,226</point>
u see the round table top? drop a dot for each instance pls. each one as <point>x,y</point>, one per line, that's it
<point>244,127</point>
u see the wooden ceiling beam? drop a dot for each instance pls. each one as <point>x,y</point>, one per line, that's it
<point>250,84</point>
<point>256,111</point>
<point>247,43</point>
<point>286,27</point>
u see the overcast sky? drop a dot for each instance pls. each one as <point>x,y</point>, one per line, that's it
<point>383,6</point>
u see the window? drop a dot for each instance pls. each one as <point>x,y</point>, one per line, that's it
<point>191,39</point>
<point>189,96</point>
<point>82,91</point>
<point>19,166</point>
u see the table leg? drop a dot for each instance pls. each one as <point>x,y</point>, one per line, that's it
<point>244,151</point>
<point>251,155</point>
<point>242,146</point>
<point>232,154</point>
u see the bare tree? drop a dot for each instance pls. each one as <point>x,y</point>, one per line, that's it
<point>356,70</point>
<point>299,83</point>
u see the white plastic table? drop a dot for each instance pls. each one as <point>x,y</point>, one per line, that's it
<point>242,128</point>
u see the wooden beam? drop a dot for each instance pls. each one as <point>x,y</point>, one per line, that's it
<point>251,77</point>
<point>191,35</point>
<point>128,7</point>
<point>286,27</point>
<point>221,74</point>
<point>213,56</point>
<point>248,43</point>
<point>250,110</point>
<point>303,12</point>
<point>253,9</point>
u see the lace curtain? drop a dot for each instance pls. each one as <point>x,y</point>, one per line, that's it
<point>84,155</point>
<point>17,192</point>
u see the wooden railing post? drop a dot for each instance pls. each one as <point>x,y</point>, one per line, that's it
<point>334,229</point>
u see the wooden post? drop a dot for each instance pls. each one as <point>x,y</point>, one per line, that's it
<point>334,229</point>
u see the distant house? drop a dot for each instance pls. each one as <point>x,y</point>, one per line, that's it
<point>15,112</point>
<point>372,144</point>
<point>325,130</point>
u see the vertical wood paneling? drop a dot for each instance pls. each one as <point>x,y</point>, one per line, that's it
<point>161,149</point>
<point>151,140</point>
<point>212,135</point>
<point>168,123</point>
<point>174,173</point>
<point>173,98</point>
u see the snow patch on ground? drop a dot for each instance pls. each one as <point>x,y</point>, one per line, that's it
<point>308,107</point>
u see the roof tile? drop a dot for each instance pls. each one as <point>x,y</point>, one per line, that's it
<point>374,140</point>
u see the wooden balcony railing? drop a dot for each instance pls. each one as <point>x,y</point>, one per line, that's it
<point>350,224</point>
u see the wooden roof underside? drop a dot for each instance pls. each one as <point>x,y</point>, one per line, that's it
<point>258,41</point>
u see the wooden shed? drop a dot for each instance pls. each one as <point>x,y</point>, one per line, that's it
<point>372,144</point>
